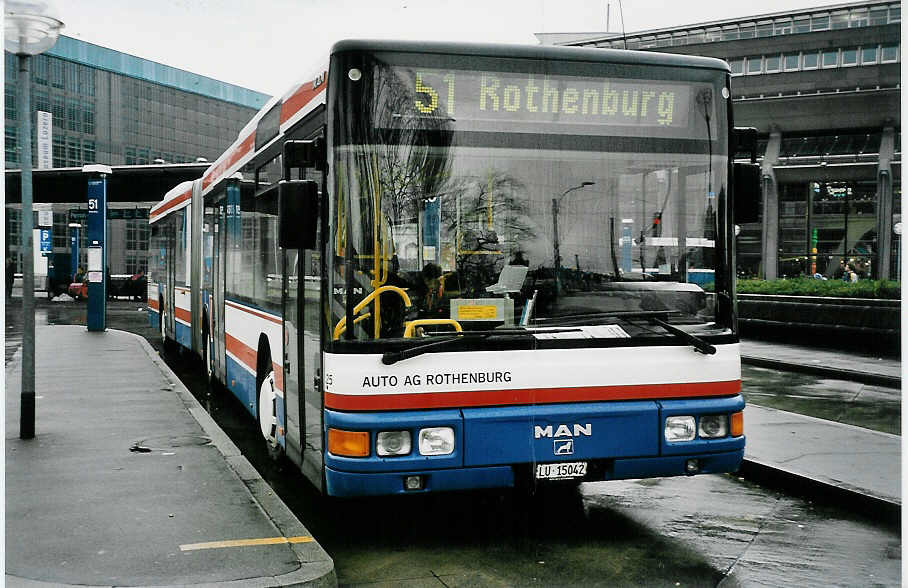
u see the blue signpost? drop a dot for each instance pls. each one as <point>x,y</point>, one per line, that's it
<point>97,252</point>
<point>46,247</point>
<point>74,249</point>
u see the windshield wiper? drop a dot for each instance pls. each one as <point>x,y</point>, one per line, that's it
<point>698,343</point>
<point>392,357</point>
<point>654,316</point>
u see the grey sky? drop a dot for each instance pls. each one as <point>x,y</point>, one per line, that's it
<point>266,45</point>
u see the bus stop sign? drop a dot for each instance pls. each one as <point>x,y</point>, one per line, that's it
<point>46,247</point>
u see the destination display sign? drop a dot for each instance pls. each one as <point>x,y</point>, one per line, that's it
<point>483,100</point>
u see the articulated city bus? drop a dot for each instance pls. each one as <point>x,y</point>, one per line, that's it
<point>439,267</point>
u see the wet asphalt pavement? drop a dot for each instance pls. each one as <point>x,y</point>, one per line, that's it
<point>700,531</point>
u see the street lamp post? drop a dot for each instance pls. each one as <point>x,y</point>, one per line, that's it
<point>556,209</point>
<point>30,28</point>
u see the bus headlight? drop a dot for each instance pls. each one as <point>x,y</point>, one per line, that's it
<point>392,443</point>
<point>680,428</point>
<point>436,441</point>
<point>713,426</point>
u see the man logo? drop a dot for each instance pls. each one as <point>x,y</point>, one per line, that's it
<point>563,447</point>
<point>563,431</point>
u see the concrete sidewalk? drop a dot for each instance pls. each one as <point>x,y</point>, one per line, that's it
<point>826,456</point>
<point>842,458</point>
<point>843,365</point>
<point>83,507</point>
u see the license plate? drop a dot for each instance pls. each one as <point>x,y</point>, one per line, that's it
<point>560,471</point>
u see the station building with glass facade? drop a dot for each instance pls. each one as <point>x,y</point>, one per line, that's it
<point>116,109</point>
<point>823,88</point>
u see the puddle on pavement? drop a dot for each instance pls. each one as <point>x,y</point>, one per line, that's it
<point>872,407</point>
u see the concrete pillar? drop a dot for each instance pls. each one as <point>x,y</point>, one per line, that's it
<point>884,205</point>
<point>771,206</point>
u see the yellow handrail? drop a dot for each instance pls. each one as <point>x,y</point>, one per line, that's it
<point>341,325</point>
<point>411,325</point>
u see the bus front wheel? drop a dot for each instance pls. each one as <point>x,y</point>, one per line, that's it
<point>267,415</point>
<point>207,369</point>
<point>163,320</point>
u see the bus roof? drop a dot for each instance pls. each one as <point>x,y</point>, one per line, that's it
<point>540,52</point>
<point>176,198</point>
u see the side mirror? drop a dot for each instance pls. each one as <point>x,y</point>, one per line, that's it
<point>745,139</point>
<point>304,154</point>
<point>746,193</point>
<point>298,214</point>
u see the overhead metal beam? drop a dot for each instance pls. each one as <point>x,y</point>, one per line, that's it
<point>128,183</point>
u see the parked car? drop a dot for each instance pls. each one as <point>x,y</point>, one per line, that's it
<point>78,290</point>
<point>134,286</point>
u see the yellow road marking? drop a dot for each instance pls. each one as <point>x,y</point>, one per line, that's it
<point>245,543</point>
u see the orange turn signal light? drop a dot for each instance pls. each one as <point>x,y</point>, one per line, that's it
<point>737,424</point>
<point>348,443</point>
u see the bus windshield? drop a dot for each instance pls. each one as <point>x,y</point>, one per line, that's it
<point>503,196</point>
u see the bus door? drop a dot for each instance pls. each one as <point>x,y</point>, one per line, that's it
<point>303,324</point>
<point>167,308</point>
<point>292,365</point>
<point>217,288</point>
<point>310,289</point>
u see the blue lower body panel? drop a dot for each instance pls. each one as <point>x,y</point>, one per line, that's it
<point>183,335</point>
<point>154,319</point>
<point>499,447</point>
<point>675,465</point>
<point>379,484</point>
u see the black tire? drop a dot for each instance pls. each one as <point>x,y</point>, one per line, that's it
<point>207,368</point>
<point>266,405</point>
<point>166,343</point>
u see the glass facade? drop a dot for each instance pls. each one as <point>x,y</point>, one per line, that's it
<point>806,22</point>
<point>825,226</point>
<point>804,60</point>
<point>829,193</point>
<point>108,117</point>
<point>116,109</point>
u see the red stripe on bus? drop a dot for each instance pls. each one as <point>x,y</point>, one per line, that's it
<point>267,317</point>
<point>168,205</point>
<point>247,356</point>
<point>235,154</point>
<point>242,352</point>
<point>529,396</point>
<point>278,376</point>
<point>182,314</point>
<point>305,94</point>
<point>153,304</point>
